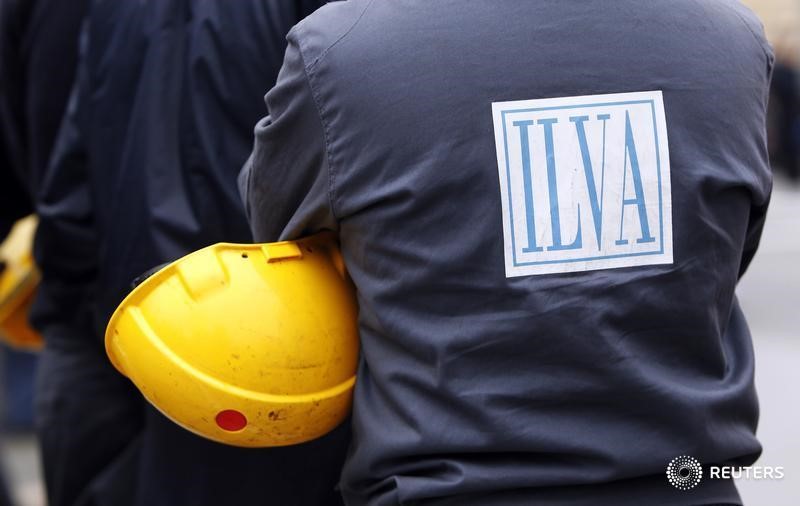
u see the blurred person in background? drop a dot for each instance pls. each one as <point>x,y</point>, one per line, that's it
<point>144,169</point>
<point>38,55</point>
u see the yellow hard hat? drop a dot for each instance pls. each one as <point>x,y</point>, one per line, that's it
<point>18,282</point>
<point>250,345</point>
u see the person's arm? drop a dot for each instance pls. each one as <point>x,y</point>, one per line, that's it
<point>286,182</point>
<point>65,240</point>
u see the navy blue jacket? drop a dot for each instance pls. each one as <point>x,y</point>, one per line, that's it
<point>159,123</point>
<point>144,171</point>
<point>545,207</point>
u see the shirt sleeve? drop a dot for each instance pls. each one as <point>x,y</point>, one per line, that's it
<point>285,183</point>
<point>65,240</point>
<point>66,245</point>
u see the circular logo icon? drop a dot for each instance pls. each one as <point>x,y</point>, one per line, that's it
<point>684,472</point>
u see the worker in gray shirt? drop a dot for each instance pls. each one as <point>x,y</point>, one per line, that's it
<point>545,207</point>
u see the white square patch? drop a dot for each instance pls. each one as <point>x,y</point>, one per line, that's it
<point>585,182</point>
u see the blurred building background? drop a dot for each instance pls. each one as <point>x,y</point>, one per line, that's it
<point>769,293</point>
<point>782,22</point>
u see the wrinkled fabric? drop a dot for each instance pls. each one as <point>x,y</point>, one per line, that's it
<point>85,426</point>
<point>157,128</point>
<point>144,171</point>
<point>564,389</point>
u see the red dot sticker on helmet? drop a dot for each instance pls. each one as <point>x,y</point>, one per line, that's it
<point>231,420</point>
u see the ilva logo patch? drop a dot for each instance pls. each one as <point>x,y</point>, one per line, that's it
<point>585,182</point>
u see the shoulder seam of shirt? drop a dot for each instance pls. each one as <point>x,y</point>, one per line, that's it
<point>340,38</point>
<point>758,39</point>
<point>325,134</point>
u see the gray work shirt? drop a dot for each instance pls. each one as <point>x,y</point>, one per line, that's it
<point>546,287</point>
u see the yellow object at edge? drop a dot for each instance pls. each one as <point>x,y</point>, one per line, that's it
<point>18,283</point>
